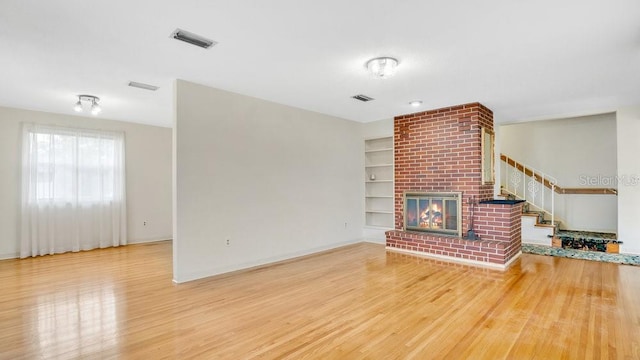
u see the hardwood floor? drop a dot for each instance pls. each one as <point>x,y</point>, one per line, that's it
<point>356,302</point>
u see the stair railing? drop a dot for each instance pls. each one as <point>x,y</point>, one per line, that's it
<point>533,181</point>
<point>529,184</point>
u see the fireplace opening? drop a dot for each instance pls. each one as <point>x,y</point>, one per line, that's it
<point>438,212</point>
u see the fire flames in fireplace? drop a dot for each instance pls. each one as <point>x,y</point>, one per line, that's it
<point>433,212</point>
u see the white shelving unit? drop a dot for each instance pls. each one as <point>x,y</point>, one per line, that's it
<point>378,155</point>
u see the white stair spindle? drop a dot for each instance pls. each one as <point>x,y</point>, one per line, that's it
<point>553,190</point>
<point>543,190</point>
<point>524,184</point>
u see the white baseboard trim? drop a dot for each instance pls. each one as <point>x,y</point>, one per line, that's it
<point>628,251</point>
<point>142,241</point>
<point>458,260</point>
<point>375,241</point>
<point>261,262</point>
<point>9,256</point>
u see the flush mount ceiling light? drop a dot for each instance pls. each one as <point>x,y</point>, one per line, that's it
<point>382,67</point>
<point>88,99</point>
<point>415,103</point>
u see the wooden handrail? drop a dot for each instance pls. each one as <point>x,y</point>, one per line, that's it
<point>588,191</point>
<point>555,187</point>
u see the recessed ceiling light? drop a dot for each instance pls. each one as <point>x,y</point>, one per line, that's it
<point>415,103</point>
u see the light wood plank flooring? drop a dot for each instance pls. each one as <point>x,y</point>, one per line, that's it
<point>356,302</point>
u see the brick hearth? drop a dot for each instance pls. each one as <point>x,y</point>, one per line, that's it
<point>440,151</point>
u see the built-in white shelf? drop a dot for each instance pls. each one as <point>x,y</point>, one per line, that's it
<point>379,205</point>
<point>379,221</point>
<point>376,150</point>
<point>378,165</point>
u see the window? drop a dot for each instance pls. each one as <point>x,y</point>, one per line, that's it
<point>72,166</point>
<point>72,188</point>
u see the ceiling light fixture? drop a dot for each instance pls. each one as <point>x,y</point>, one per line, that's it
<point>382,67</point>
<point>415,103</point>
<point>93,100</point>
<point>95,108</point>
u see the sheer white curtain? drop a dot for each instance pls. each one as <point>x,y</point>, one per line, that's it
<point>73,190</point>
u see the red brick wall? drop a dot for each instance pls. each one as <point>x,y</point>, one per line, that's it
<point>484,250</point>
<point>440,151</point>
<point>501,223</point>
<point>494,221</point>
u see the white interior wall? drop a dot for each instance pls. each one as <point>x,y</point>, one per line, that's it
<point>628,128</point>
<point>275,181</point>
<point>573,151</point>
<point>377,129</point>
<point>148,167</point>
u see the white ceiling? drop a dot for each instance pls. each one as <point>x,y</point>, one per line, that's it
<point>523,59</point>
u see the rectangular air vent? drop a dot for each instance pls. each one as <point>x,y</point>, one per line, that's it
<point>361,97</point>
<point>192,38</point>
<point>143,86</point>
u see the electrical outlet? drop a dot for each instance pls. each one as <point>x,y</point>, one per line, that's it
<point>228,241</point>
<point>345,225</point>
<point>144,223</point>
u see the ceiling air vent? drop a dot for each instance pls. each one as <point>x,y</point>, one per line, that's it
<point>192,38</point>
<point>361,97</point>
<point>143,86</point>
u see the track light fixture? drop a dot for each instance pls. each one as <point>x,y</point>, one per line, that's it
<point>88,99</point>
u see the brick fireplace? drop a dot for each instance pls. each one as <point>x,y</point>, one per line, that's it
<point>440,151</point>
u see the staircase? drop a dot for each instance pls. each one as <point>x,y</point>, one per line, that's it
<point>537,228</point>
<point>540,223</point>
